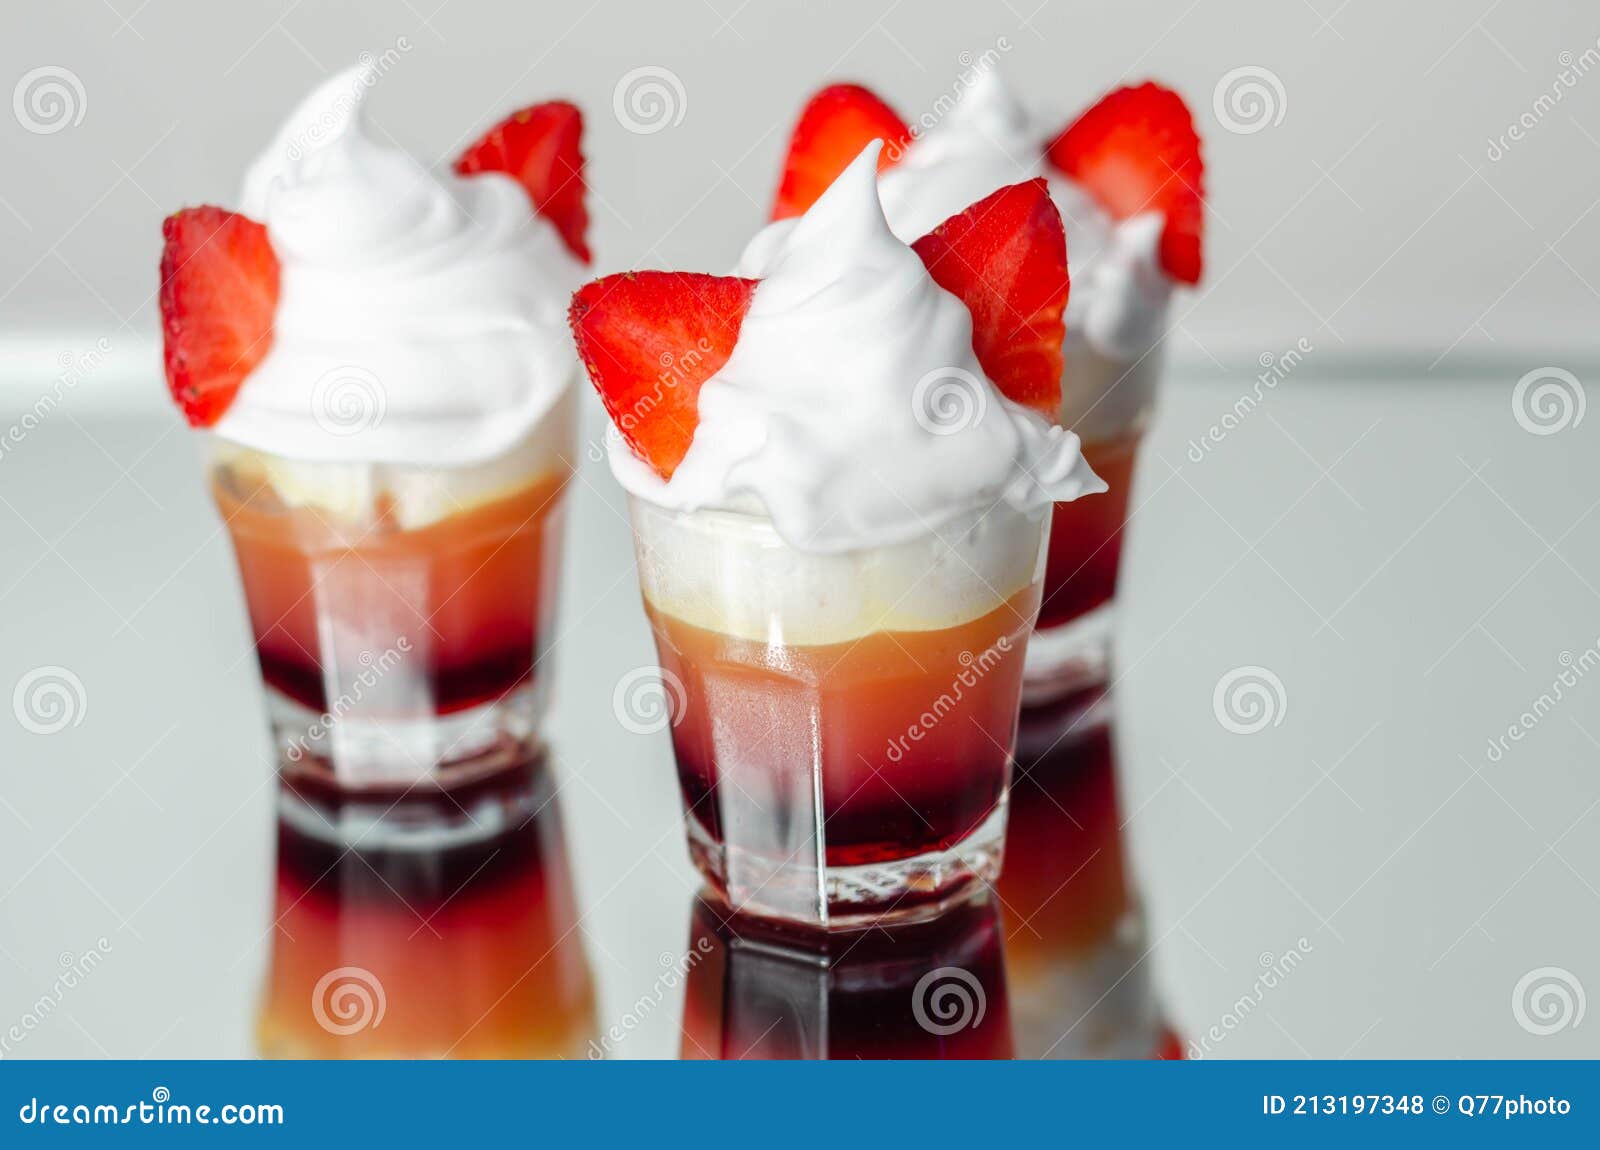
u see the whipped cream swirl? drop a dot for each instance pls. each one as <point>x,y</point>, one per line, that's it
<point>422,316</point>
<point>986,141</point>
<point>853,411</point>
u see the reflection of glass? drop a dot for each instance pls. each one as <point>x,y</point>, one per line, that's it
<point>842,723</point>
<point>1108,404</point>
<point>932,989</point>
<point>1075,941</point>
<point>426,925</point>
<point>400,613</point>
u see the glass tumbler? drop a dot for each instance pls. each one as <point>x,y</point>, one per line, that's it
<point>401,614</point>
<point>1108,403</point>
<point>843,724</point>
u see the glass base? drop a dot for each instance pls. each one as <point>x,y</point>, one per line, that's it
<point>892,892</point>
<point>1070,658</point>
<point>358,753</point>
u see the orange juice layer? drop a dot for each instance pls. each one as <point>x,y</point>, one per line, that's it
<point>905,735</point>
<point>466,598</point>
<point>1086,537</point>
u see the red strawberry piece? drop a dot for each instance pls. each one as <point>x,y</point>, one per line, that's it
<point>1005,257</point>
<point>837,123</point>
<point>1137,151</point>
<point>649,340</point>
<point>219,293</point>
<point>538,147</point>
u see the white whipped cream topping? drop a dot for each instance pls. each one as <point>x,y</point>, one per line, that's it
<point>853,411</point>
<point>986,141</point>
<point>422,316</point>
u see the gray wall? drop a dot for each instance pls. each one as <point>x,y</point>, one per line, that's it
<point>1370,216</point>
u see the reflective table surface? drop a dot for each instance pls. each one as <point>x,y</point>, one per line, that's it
<point>1341,800</point>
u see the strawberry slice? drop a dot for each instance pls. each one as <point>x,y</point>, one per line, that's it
<point>1005,257</point>
<point>538,147</point>
<point>219,293</point>
<point>1137,151</point>
<point>649,340</point>
<point>836,124</point>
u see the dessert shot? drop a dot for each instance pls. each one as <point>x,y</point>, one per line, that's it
<point>840,464</point>
<point>1128,179</point>
<point>379,355</point>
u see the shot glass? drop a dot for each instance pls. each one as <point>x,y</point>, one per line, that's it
<point>1108,402</point>
<point>843,724</point>
<point>401,614</point>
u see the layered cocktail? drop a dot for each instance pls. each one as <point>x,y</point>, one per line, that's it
<point>403,634</point>
<point>380,354</point>
<point>1131,171</point>
<point>849,715</point>
<point>840,513</point>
